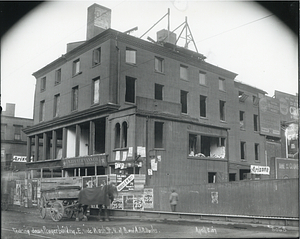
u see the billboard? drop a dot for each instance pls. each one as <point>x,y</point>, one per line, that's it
<point>288,106</point>
<point>269,116</point>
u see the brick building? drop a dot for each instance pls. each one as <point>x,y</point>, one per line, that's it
<point>117,104</point>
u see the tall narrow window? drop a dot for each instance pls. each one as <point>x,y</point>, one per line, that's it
<point>57,76</point>
<point>256,151</point>
<point>255,122</point>
<point>242,120</point>
<point>183,101</point>
<point>130,56</point>
<point>96,90</point>
<point>56,105</point>
<point>76,67</point>
<point>222,84</point>
<point>75,98</point>
<point>158,94</point>
<point>124,134</point>
<point>203,106</point>
<point>158,134</point>
<point>43,83</point>
<point>117,135</point>
<point>183,72</point>
<point>159,64</point>
<point>243,150</point>
<point>130,90</point>
<point>42,110</point>
<point>18,129</point>
<point>222,110</point>
<point>96,56</point>
<point>202,78</point>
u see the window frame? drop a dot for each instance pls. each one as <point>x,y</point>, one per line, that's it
<point>95,99</point>
<point>75,97</point>
<point>130,56</point>
<point>158,93</point>
<point>242,120</point>
<point>255,123</point>
<point>76,67</point>
<point>221,84</point>
<point>57,77</point>
<point>130,93</point>
<point>158,135</point>
<point>184,101</point>
<point>56,105</point>
<point>159,64</point>
<point>43,84</point>
<point>96,56</point>
<point>18,132</point>
<point>42,111</point>
<point>214,177</point>
<point>222,110</point>
<point>183,74</point>
<point>256,152</point>
<point>205,106</point>
<point>243,150</point>
<point>201,73</point>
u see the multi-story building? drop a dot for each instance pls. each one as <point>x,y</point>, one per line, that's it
<point>119,104</point>
<point>13,139</point>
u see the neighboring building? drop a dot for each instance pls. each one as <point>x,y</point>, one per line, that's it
<point>117,104</point>
<point>13,139</point>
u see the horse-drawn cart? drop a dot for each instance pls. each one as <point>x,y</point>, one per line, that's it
<point>59,201</point>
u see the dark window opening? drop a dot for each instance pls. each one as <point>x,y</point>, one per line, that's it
<point>158,92</point>
<point>255,122</point>
<point>57,76</point>
<point>130,90</point>
<point>97,56</point>
<point>203,106</point>
<point>256,151</point>
<point>159,64</point>
<point>117,135</point>
<point>242,120</point>
<point>245,174</point>
<point>124,134</point>
<point>222,110</point>
<point>232,177</point>
<point>158,134</point>
<point>183,101</point>
<point>100,136</point>
<point>243,150</point>
<point>212,177</point>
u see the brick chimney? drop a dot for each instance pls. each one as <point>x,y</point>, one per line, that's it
<point>10,110</point>
<point>98,20</point>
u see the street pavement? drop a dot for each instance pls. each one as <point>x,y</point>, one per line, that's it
<point>18,220</point>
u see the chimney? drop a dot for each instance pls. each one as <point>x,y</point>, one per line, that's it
<point>98,20</point>
<point>10,110</point>
<point>162,36</point>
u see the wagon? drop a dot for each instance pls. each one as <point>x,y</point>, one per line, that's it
<point>60,201</point>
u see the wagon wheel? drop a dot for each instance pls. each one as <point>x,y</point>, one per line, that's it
<point>42,207</point>
<point>57,211</point>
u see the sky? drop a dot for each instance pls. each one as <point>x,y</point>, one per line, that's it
<point>239,36</point>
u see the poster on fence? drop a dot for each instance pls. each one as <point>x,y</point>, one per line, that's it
<point>138,203</point>
<point>117,203</point>
<point>128,202</point>
<point>148,198</point>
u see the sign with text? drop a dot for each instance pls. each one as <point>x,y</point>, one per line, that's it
<point>288,106</point>
<point>269,116</point>
<point>19,158</point>
<point>85,161</point>
<point>148,198</point>
<point>255,169</point>
<point>125,182</point>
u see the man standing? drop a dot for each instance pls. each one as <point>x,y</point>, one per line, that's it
<point>173,200</point>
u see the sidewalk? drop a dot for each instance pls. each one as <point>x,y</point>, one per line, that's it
<point>35,211</point>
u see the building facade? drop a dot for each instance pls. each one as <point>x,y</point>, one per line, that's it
<point>13,139</point>
<point>119,105</point>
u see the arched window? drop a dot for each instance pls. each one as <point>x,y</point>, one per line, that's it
<point>117,135</point>
<point>124,134</point>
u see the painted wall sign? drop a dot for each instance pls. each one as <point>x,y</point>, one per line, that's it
<point>99,160</point>
<point>288,106</point>
<point>269,116</point>
<point>148,198</point>
<point>255,169</point>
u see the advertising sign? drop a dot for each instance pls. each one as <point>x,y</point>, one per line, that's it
<point>286,168</point>
<point>255,169</point>
<point>138,203</point>
<point>85,161</point>
<point>269,116</point>
<point>288,106</point>
<point>148,198</point>
<point>125,182</point>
